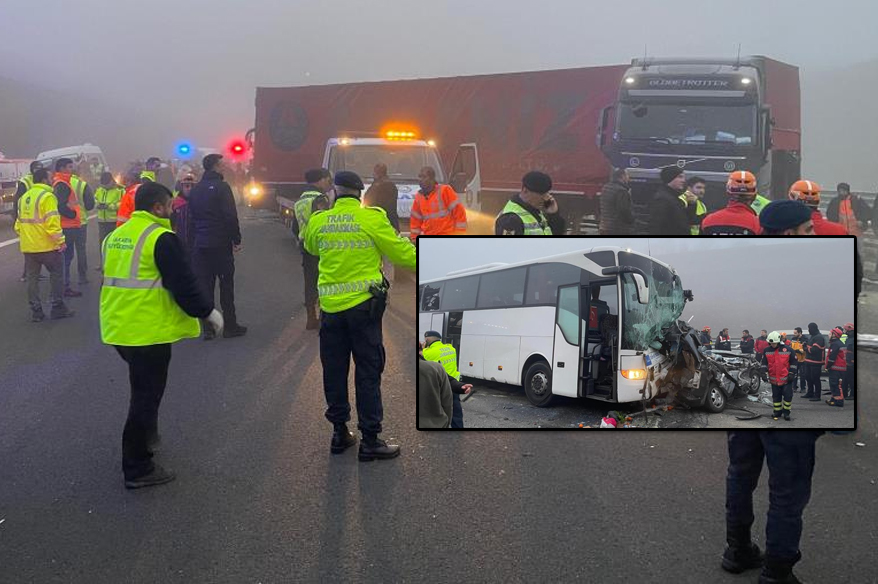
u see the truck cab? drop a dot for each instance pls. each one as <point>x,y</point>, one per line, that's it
<point>707,116</point>
<point>403,154</point>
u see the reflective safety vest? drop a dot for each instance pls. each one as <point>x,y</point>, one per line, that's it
<point>39,224</point>
<point>136,310</point>
<point>350,241</point>
<point>79,186</point>
<point>445,355</point>
<point>72,204</point>
<point>438,213</point>
<point>126,205</point>
<point>799,346</point>
<point>700,210</point>
<point>302,209</point>
<point>778,364</point>
<point>759,203</point>
<point>847,219</point>
<point>844,339</point>
<point>108,200</point>
<point>532,225</point>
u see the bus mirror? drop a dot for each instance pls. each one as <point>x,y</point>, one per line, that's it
<point>642,289</point>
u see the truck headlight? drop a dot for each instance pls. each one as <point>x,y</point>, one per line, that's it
<point>255,191</point>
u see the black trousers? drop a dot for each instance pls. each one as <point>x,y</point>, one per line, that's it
<point>790,456</point>
<point>309,269</point>
<point>212,263</point>
<point>104,229</point>
<point>812,372</point>
<point>148,374</point>
<point>356,333</point>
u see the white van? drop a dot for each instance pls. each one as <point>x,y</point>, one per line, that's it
<point>88,158</point>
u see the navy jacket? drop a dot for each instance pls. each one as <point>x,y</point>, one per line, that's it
<point>212,213</point>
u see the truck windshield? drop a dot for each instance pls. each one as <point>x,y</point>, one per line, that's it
<point>642,323</point>
<point>403,162</point>
<point>688,124</point>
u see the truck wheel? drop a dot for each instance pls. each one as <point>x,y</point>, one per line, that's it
<point>538,384</point>
<point>715,402</point>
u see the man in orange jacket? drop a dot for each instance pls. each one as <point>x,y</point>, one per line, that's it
<point>436,209</point>
<point>126,204</point>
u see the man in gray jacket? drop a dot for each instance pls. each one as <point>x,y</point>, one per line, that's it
<point>615,205</point>
<point>434,395</point>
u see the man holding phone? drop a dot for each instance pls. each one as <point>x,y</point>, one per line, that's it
<point>533,211</point>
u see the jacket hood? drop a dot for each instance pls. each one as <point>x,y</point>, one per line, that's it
<point>211,175</point>
<point>813,328</point>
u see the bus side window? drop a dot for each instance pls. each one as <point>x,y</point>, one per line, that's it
<point>431,298</point>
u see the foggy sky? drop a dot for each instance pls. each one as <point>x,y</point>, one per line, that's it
<point>193,65</point>
<point>769,283</point>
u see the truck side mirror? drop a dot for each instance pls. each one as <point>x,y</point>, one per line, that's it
<point>767,123</point>
<point>603,124</point>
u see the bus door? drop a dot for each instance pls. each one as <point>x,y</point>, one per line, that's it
<point>600,337</point>
<point>565,360</point>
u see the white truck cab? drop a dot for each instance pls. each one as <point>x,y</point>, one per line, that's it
<point>400,151</point>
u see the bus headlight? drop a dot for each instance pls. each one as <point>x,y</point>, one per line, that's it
<point>634,374</point>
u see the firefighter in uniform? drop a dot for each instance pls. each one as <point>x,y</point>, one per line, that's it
<point>445,355</point>
<point>790,457</point>
<point>350,241</point>
<point>780,360</point>
<point>319,183</point>
<point>533,211</point>
<point>738,218</point>
<point>836,364</point>
<point>150,299</point>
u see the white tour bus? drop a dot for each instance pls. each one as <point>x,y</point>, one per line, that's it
<point>576,324</point>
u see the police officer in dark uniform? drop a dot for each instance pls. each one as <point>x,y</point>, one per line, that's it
<point>350,241</point>
<point>790,456</point>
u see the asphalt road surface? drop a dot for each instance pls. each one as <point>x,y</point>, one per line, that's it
<point>259,499</point>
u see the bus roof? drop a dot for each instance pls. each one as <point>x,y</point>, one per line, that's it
<point>576,258</point>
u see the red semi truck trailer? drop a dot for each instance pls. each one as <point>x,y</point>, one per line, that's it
<point>708,116</point>
<point>488,130</point>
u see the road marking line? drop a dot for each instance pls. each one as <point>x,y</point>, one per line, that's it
<point>17,239</point>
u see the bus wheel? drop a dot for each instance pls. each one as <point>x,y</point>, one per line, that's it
<point>716,399</point>
<point>538,384</point>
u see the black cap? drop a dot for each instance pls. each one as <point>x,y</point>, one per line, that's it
<point>780,215</point>
<point>537,182</point>
<point>348,179</point>
<point>669,173</point>
<point>432,334</point>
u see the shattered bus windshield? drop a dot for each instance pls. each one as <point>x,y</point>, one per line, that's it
<point>642,323</point>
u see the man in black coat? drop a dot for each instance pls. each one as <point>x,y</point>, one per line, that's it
<point>860,208</point>
<point>615,205</point>
<point>216,237</point>
<point>668,214</point>
<point>383,193</point>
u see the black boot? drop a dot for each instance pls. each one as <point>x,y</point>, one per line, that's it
<point>777,571</point>
<point>786,415</point>
<point>342,439</point>
<point>158,476</point>
<point>234,330</point>
<point>739,559</point>
<point>372,448</point>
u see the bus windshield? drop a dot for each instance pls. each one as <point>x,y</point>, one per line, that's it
<point>642,323</point>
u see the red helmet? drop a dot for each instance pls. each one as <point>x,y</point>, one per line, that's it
<point>706,329</point>
<point>806,191</point>
<point>849,326</point>
<point>741,182</point>
<point>836,332</point>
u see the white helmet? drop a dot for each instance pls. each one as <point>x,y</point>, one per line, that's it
<point>774,337</point>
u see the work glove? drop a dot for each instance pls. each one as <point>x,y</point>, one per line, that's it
<point>215,321</point>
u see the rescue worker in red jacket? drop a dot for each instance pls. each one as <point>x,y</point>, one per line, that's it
<point>836,364</point>
<point>808,192</point>
<point>436,209</point>
<point>782,365</point>
<point>761,343</point>
<point>126,204</point>
<point>738,218</point>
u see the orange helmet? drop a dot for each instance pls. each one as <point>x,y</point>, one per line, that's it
<point>806,191</point>
<point>741,182</point>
